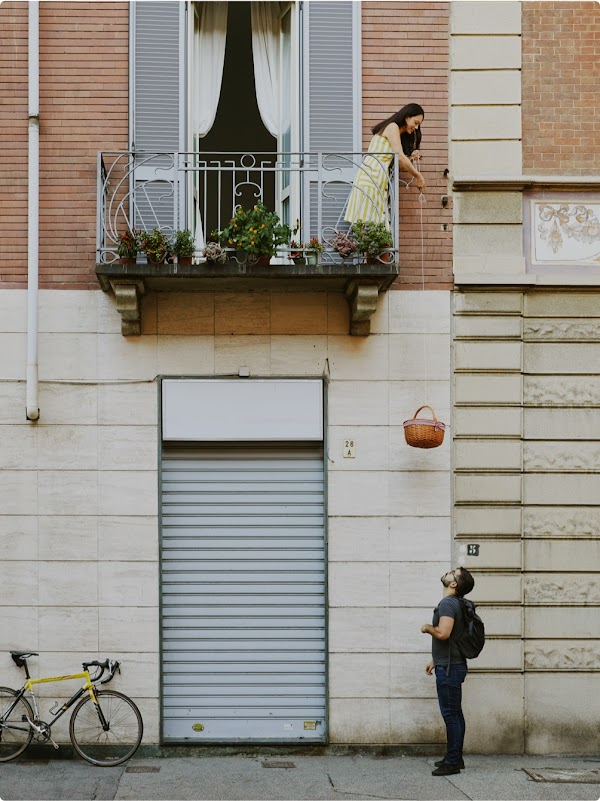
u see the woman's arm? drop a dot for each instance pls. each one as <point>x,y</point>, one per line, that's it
<point>392,134</point>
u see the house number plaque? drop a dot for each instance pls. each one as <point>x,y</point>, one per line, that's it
<point>349,449</point>
<point>473,550</point>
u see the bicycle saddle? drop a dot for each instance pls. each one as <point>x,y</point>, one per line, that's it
<point>19,656</point>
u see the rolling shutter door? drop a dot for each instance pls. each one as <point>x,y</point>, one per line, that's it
<point>243,593</point>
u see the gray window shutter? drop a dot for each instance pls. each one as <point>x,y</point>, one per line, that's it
<point>157,109</point>
<point>331,105</point>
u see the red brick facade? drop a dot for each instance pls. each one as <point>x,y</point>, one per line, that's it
<point>83,108</point>
<point>561,74</point>
<point>405,59</point>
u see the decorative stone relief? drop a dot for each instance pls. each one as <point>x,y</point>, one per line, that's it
<point>562,330</point>
<point>562,656</point>
<point>582,589</point>
<point>565,522</point>
<point>565,232</point>
<point>561,456</point>
<point>561,390</point>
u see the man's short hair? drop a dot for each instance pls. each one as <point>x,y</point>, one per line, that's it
<point>464,582</point>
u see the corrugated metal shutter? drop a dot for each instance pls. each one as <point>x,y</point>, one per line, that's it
<point>331,105</point>
<point>158,53</point>
<point>243,593</point>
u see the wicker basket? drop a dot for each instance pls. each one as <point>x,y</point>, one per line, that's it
<point>424,433</point>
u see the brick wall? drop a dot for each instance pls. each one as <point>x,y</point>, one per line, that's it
<point>561,73</point>
<point>405,59</point>
<point>13,133</point>
<point>83,109</point>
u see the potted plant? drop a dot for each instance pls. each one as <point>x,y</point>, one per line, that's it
<point>215,253</point>
<point>313,250</point>
<point>129,247</point>
<point>344,244</point>
<point>257,232</point>
<point>155,244</point>
<point>297,252</point>
<point>372,240</point>
<point>183,247</point>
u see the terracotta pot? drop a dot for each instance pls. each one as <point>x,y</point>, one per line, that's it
<point>126,261</point>
<point>184,261</point>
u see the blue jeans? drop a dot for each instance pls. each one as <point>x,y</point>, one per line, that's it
<point>449,690</point>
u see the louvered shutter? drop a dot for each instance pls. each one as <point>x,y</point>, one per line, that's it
<point>158,111</point>
<point>331,105</point>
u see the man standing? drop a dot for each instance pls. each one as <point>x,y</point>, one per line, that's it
<point>450,666</point>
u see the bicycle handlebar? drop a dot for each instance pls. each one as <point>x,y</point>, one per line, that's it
<point>109,664</point>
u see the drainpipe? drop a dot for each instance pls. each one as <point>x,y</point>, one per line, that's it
<point>33,210</point>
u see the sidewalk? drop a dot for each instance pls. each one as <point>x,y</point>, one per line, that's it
<point>312,777</point>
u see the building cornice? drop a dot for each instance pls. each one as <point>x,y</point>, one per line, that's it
<point>518,183</point>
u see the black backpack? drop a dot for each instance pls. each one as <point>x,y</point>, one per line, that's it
<point>470,643</point>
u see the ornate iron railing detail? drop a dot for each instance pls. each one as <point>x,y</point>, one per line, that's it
<point>201,191</point>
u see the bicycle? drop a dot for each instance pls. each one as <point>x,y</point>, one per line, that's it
<point>106,727</point>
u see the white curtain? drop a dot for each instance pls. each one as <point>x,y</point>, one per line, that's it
<point>208,58</point>
<point>210,35</point>
<point>265,51</point>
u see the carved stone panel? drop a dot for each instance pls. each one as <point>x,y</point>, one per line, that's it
<point>561,590</point>
<point>562,330</point>
<point>562,655</point>
<point>556,390</point>
<point>553,521</point>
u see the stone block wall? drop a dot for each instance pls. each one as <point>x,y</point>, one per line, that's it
<point>526,423</point>
<point>78,490</point>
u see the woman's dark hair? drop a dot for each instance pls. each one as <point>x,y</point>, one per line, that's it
<point>411,141</point>
<point>464,582</point>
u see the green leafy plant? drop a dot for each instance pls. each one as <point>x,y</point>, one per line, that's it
<point>372,238</point>
<point>315,246</point>
<point>257,231</point>
<point>129,244</point>
<point>155,244</point>
<point>183,243</point>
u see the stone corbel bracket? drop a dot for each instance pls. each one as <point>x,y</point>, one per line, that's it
<point>362,297</point>
<point>128,297</point>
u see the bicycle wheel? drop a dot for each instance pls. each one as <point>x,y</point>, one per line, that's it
<point>15,731</point>
<point>110,745</point>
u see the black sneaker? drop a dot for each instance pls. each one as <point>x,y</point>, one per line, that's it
<point>460,764</point>
<point>445,770</point>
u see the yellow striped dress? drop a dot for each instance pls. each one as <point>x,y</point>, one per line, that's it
<point>369,196</point>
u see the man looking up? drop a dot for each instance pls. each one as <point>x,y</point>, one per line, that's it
<point>449,665</point>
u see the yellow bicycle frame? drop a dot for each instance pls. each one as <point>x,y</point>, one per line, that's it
<point>28,686</point>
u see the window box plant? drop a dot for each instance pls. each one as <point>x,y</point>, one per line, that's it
<point>297,252</point>
<point>373,240</point>
<point>215,253</point>
<point>183,247</point>
<point>257,232</point>
<point>155,244</point>
<point>313,250</point>
<point>128,247</point>
<point>344,244</point>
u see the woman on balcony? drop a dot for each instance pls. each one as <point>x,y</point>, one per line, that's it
<point>401,134</point>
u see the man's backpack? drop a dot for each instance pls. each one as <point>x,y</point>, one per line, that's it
<point>470,643</point>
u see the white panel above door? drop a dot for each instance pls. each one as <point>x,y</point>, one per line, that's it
<point>242,410</point>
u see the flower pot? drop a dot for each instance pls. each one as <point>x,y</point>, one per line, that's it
<point>299,259</point>
<point>312,259</point>
<point>152,260</point>
<point>260,261</point>
<point>125,262</point>
<point>184,261</point>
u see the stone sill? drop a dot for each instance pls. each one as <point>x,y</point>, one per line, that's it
<point>361,284</point>
<point>526,279</point>
<point>518,183</point>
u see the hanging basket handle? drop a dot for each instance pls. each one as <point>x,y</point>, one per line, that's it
<point>420,409</point>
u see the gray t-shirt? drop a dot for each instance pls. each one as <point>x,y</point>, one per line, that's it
<point>448,607</point>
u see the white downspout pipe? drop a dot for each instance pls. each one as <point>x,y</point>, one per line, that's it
<point>33,210</point>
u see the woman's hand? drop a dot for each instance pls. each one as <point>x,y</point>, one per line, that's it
<point>420,182</point>
<point>415,155</point>
<point>429,668</point>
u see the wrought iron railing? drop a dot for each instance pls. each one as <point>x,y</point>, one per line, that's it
<point>201,191</point>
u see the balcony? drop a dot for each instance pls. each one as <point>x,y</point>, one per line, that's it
<point>201,191</point>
